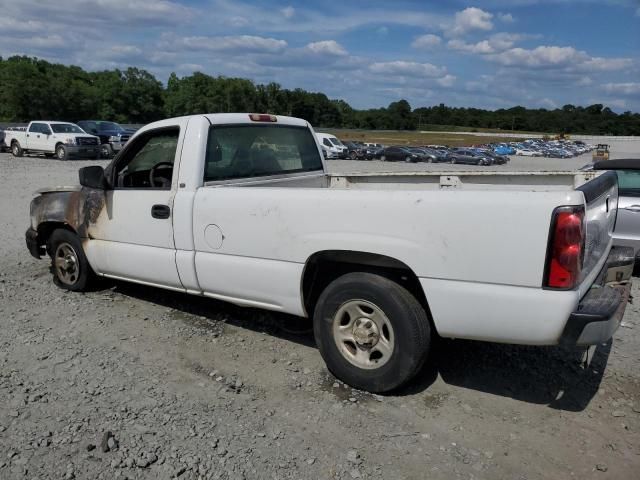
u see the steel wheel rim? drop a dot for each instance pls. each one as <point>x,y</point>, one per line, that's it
<point>60,152</point>
<point>363,334</point>
<point>65,262</point>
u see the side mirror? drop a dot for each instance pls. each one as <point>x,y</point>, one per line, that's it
<point>93,177</point>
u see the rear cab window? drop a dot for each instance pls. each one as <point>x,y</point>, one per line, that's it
<point>246,151</point>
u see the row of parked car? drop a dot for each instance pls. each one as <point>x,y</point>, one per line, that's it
<point>487,154</point>
<point>335,149</point>
<point>87,138</point>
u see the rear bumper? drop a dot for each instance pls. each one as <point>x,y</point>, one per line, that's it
<point>600,311</point>
<point>31,236</point>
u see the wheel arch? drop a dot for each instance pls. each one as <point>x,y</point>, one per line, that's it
<point>325,266</point>
<point>45,229</point>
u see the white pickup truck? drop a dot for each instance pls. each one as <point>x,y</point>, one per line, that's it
<point>239,207</point>
<point>61,139</point>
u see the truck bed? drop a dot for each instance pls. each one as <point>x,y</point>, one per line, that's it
<point>433,180</point>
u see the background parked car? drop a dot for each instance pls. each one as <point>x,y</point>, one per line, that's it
<point>627,229</point>
<point>333,145</point>
<point>112,135</point>
<point>469,157</point>
<point>398,154</point>
<point>355,151</point>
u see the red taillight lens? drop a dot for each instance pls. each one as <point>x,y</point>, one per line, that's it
<point>263,117</point>
<point>566,248</point>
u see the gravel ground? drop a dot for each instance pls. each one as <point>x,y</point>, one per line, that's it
<point>133,382</point>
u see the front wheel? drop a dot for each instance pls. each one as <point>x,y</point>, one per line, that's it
<point>371,332</point>
<point>69,265</point>
<point>407,159</point>
<point>383,158</point>
<point>61,152</point>
<point>106,151</point>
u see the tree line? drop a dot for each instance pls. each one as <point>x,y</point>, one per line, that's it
<point>32,88</point>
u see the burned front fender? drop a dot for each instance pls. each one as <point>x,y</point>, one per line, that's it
<point>76,209</point>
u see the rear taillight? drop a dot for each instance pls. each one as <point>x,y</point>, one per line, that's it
<point>566,248</point>
<point>263,117</point>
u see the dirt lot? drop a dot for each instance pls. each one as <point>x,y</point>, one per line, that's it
<point>200,389</point>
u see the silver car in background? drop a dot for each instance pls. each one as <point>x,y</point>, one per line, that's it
<point>627,230</point>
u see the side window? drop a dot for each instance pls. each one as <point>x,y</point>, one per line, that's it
<point>35,128</point>
<point>148,161</point>
<point>244,151</point>
<point>44,128</point>
<point>629,183</point>
<point>326,142</point>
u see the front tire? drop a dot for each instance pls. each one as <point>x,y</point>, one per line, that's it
<point>61,152</point>
<point>16,150</point>
<point>383,158</point>
<point>69,265</point>
<point>106,151</point>
<point>371,332</point>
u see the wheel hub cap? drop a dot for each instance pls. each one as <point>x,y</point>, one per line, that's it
<point>66,264</point>
<point>365,332</point>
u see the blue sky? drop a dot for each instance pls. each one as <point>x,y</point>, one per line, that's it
<point>489,54</point>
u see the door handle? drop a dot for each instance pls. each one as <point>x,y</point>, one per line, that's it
<point>633,208</point>
<point>160,211</point>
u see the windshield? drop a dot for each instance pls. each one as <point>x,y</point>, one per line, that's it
<point>66,128</point>
<point>109,127</point>
<point>335,141</point>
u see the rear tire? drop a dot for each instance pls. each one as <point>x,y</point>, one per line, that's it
<point>16,149</point>
<point>383,158</point>
<point>371,332</point>
<point>69,265</point>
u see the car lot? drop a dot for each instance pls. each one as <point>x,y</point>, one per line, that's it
<point>201,388</point>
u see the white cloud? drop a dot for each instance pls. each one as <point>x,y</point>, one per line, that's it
<point>237,43</point>
<point>548,103</point>
<point>447,81</point>
<point>554,57</point>
<point>426,41</point>
<point>506,18</point>
<point>409,69</point>
<point>327,47</point>
<point>469,19</point>
<point>495,43</point>
<point>382,31</point>
<point>627,89</point>
<point>117,12</point>
<point>288,12</point>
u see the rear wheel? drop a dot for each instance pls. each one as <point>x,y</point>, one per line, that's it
<point>371,332</point>
<point>69,265</point>
<point>383,158</point>
<point>16,149</point>
<point>353,156</point>
<point>407,159</point>
<point>61,152</point>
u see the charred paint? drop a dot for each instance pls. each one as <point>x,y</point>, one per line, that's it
<point>79,209</point>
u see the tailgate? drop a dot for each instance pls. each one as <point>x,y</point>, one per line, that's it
<point>601,197</point>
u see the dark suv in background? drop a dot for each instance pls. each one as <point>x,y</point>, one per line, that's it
<point>112,136</point>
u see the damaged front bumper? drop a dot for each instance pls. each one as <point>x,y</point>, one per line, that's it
<point>600,311</point>
<point>35,249</point>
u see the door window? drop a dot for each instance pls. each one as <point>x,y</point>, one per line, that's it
<point>148,160</point>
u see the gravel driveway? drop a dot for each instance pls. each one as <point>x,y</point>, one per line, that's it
<point>133,382</point>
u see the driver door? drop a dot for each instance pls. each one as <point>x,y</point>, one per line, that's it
<point>134,233</point>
